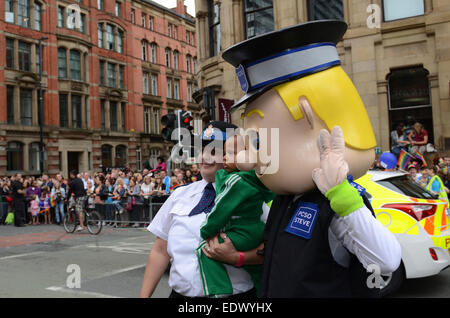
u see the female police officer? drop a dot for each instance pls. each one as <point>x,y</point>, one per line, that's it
<point>177,229</point>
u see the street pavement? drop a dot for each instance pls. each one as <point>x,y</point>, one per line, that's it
<point>39,261</point>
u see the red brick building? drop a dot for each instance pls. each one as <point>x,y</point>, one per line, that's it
<point>110,70</point>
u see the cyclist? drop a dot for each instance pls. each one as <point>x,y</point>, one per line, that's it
<point>76,188</point>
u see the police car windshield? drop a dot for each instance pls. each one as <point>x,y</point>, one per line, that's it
<point>405,186</point>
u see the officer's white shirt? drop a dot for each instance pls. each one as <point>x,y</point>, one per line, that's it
<point>173,224</point>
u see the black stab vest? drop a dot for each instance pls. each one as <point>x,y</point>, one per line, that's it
<point>295,267</point>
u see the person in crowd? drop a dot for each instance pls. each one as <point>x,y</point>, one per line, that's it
<point>446,170</point>
<point>196,175</point>
<point>4,195</point>
<point>173,183</point>
<point>161,166</point>
<point>135,194</point>
<point>34,208</point>
<point>418,138</point>
<point>413,174</point>
<point>146,190</point>
<point>177,229</point>
<point>120,191</point>
<point>435,183</point>
<point>77,189</point>
<point>101,194</point>
<point>46,182</point>
<point>45,204</point>
<point>180,180</point>
<point>109,206</point>
<point>18,194</point>
<point>86,179</point>
<point>166,180</point>
<point>398,142</point>
<point>32,188</point>
<point>188,176</point>
<point>58,194</point>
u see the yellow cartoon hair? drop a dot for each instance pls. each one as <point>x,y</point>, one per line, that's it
<point>335,100</point>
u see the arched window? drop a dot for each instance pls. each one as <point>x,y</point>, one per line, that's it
<point>188,63</point>
<point>175,59</point>
<point>121,156</point>
<point>144,50</point>
<point>14,156</point>
<point>153,48</point>
<point>168,56</point>
<point>107,156</point>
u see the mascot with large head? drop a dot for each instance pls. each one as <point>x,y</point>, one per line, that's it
<point>293,83</point>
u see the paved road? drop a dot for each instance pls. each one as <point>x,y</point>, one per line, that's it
<point>34,262</point>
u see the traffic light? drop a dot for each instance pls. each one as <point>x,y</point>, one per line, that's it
<point>170,121</point>
<point>185,120</point>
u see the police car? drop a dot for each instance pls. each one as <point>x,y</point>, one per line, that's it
<point>418,219</point>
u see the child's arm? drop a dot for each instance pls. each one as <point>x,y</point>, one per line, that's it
<point>236,192</point>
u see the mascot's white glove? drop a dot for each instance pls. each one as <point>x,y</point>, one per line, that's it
<point>331,177</point>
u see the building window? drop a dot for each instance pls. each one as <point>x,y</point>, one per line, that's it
<point>100,36</point>
<point>60,17</point>
<point>169,30</point>
<point>214,28</point>
<point>155,126</point>
<point>9,11</point>
<point>75,65</point>
<point>187,37</point>
<point>325,9</point>
<point>62,63</point>
<point>258,17</point>
<point>150,23</point>
<point>194,64</point>
<point>100,4</point>
<point>153,52</point>
<point>110,37</point>
<point>15,156</point>
<point>169,88</point>
<point>10,53</point>
<point>176,89</point>
<point>147,120</point>
<point>33,157</point>
<point>26,107</point>
<point>118,7</point>
<point>154,83</point>
<point>144,50</point>
<point>76,111</point>
<point>111,75</point>
<point>138,159</point>
<point>24,56</point>
<point>121,156</point>
<point>168,56</point>
<point>175,32</point>
<point>63,110</point>
<point>102,110</point>
<point>145,83</point>
<point>409,98</point>
<point>113,116</point>
<point>37,16</point>
<point>107,156</point>
<point>23,10</point>
<point>82,23</point>
<point>401,9</point>
<point>122,76</point>
<point>10,104</point>
<point>38,60</point>
<point>175,60</point>
<point>188,63</point>
<point>102,72</point>
<point>154,154</point>
<point>120,41</point>
<point>133,16</point>
<point>144,20</point>
<point>189,92</point>
<point>122,114</point>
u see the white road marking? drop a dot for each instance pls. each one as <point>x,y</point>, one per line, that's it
<point>20,255</point>
<point>77,291</point>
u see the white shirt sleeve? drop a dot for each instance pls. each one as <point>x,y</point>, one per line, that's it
<point>371,242</point>
<point>160,225</point>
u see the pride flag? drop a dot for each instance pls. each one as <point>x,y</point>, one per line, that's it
<point>419,156</point>
<point>403,159</point>
<point>51,201</point>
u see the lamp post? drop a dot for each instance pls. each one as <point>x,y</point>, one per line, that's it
<point>41,108</point>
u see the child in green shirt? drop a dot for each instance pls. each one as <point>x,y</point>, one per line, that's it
<point>237,212</point>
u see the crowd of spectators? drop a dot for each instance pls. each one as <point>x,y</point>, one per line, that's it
<point>412,138</point>
<point>123,198</point>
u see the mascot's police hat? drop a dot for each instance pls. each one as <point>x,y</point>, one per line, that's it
<point>283,55</point>
<point>388,160</point>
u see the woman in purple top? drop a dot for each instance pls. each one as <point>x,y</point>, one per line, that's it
<point>34,189</point>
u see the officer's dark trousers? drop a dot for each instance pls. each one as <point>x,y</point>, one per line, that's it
<point>19,212</point>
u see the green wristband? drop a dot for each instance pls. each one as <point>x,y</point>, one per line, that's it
<point>344,199</point>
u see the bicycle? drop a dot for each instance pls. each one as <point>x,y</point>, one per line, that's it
<point>91,219</point>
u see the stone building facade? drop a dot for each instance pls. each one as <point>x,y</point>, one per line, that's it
<point>110,70</point>
<point>397,52</point>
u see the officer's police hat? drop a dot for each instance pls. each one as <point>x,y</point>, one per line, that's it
<point>216,130</point>
<point>276,57</point>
